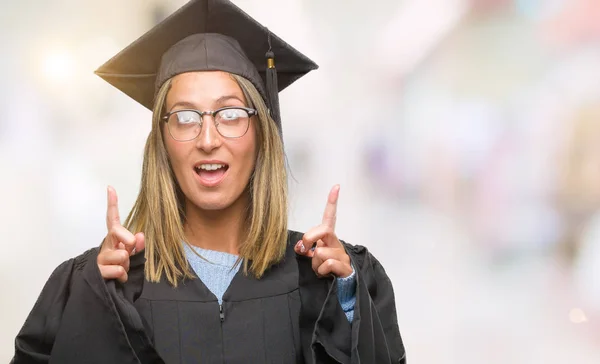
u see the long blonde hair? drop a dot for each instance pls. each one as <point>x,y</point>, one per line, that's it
<point>159,210</point>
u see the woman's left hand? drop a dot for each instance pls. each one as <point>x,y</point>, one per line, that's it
<point>328,256</point>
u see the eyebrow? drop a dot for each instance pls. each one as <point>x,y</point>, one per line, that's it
<point>221,100</point>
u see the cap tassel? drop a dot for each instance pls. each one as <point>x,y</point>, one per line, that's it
<point>272,89</point>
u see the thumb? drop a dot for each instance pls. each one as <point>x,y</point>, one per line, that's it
<point>140,242</point>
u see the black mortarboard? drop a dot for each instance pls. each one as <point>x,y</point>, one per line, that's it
<point>206,35</point>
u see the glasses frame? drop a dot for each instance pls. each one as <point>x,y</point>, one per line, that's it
<point>251,112</point>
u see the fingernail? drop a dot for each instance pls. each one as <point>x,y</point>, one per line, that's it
<point>300,246</point>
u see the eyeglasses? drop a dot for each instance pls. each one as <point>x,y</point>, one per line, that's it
<point>231,122</point>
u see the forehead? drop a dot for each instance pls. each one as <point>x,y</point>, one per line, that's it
<point>203,87</point>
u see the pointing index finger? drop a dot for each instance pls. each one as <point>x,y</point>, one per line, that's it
<point>329,217</point>
<point>112,209</point>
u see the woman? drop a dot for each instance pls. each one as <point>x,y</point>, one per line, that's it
<point>212,274</point>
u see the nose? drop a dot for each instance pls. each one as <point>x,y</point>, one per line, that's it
<point>209,138</point>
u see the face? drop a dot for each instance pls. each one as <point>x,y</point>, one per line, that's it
<point>212,171</point>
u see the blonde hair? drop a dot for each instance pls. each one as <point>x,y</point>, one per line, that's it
<point>159,210</point>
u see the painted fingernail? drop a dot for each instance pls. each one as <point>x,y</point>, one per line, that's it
<point>300,246</point>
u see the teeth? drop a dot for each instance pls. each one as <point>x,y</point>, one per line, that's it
<point>210,167</point>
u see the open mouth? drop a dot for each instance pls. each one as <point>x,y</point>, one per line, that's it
<point>211,173</point>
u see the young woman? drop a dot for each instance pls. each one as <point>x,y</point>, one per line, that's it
<point>204,268</point>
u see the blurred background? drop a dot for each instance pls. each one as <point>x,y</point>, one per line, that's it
<point>465,136</point>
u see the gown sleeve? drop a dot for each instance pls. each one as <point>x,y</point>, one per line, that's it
<point>378,341</point>
<point>81,318</point>
<point>327,336</point>
<point>35,340</point>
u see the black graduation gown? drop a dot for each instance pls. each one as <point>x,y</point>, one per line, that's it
<point>288,316</point>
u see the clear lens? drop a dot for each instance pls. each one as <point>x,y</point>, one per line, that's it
<point>232,123</point>
<point>184,125</point>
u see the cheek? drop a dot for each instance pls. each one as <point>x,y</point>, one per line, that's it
<point>245,152</point>
<point>176,153</point>
<point>251,151</point>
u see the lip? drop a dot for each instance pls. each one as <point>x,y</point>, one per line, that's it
<point>212,183</point>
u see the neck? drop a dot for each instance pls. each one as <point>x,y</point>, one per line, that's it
<point>219,230</point>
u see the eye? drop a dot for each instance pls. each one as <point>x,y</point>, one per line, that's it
<point>232,114</point>
<point>187,117</point>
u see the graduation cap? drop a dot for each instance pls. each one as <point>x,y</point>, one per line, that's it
<point>207,35</point>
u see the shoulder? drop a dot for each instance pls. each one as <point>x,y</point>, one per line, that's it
<point>57,288</point>
<point>72,266</point>
<point>89,255</point>
<point>76,263</point>
<point>293,237</point>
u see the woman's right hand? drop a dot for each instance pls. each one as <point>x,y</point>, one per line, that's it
<point>119,244</point>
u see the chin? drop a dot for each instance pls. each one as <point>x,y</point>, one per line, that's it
<point>215,199</point>
<point>215,203</point>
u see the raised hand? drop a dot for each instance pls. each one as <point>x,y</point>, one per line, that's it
<point>119,244</point>
<point>328,256</point>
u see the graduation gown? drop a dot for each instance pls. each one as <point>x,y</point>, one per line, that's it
<point>288,316</point>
